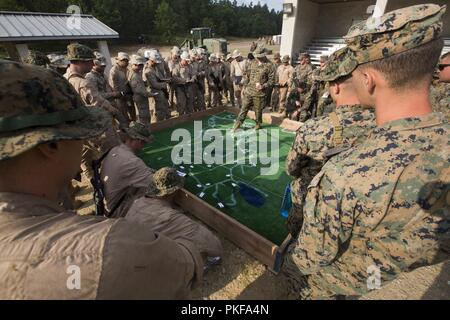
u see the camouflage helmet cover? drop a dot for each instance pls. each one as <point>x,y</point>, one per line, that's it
<point>79,52</point>
<point>395,32</point>
<point>37,106</point>
<point>165,182</point>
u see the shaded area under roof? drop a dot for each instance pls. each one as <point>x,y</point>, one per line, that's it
<point>34,26</point>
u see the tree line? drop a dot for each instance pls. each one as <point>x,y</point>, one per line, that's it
<point>164,20</point>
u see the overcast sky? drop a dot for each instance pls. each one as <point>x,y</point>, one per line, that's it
<point>275,4</point>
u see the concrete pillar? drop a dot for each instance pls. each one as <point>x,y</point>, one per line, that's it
<point>12,51</point>
<point>380,8</point>
<point>104,50</point>
<point>288,33</point>
<point>299,28</point>
<point>22,49</point>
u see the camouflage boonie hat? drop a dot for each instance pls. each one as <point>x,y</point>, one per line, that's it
<point>395,32</point>
<point>165,182</point>
<point>79,52</point>
<point>37,58</point>
<point>139,131</point>
<point>37,106</point>
<point>340,64</point>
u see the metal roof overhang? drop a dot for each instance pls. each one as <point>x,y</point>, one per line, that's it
<point>36,26</point>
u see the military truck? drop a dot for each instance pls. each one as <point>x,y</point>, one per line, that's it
<point>204,38</point>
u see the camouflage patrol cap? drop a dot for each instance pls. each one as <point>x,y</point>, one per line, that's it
<point>260,53</point>
<point>37,58</point>
<point>395,32</point>
<point>277,55</point>
<point>79,52</point>
<point>139,131</point>
<point>137,60</point>
<point>286,59</point>
<point>340,64</point>
<point>37,106</point>
<point>58,61</point>
<point>165,182</point>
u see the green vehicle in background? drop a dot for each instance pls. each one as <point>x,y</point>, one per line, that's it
<point>204,38</point>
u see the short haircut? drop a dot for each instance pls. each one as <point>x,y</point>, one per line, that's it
<point>408,68</point>
<point>445,55</point>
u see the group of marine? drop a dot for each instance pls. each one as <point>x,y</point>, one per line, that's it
<point>371,179</point>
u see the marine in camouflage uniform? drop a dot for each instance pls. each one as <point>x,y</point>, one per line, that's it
<point>304,68</point>
<point>157,83</point>
<point>39,240</point>
<point>385,204</point>
<point>118,80</point>
<point>141,95</point>
<point>90,96</point>
<point>184,82</point>
<point>259,76</point>
<point>322,138</point>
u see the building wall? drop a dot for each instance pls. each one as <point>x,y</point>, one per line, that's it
<point>299,29</point>
<point>335,19</point>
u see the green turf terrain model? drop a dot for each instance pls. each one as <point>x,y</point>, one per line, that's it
<point>237,188</point>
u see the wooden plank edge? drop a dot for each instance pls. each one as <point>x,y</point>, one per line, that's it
<point>254,244</point>
<point>170,123</point>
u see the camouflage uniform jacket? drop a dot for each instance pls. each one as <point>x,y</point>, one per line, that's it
<point>99,80</point>
<point>316,137</point>
<point>285,75</point>
<point>258,73</point>
<point>117,259</point>
<point>137,85</point>
<point>118,79</point>
<point>181,74</point>
<point>88,91</point>
<point>302,71</point>
<point>152,76</point>
<point>384,204</point>
<point>440,98</point>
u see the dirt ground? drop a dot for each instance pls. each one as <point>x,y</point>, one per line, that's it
<point>239,277</point>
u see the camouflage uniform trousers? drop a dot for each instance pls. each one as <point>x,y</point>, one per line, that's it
<point>257,102</point>
<point>215,97</point>
<point>185,99</point>
<point>283,94</point>
<point>238,89</point>
<point>124,116</point>
<point>275,101</point>
<point>160,107</point>
<point>229,92</point>
<point>198,90</point>
<point>143,107</point>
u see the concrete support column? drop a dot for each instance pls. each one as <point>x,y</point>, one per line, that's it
<point>22,49</point>
<point>104,50</point>
<point>380,8</point>
<point>299,28</point>
<point>288,33</point>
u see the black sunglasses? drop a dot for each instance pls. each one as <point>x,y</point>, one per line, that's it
<point>442,66</point>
